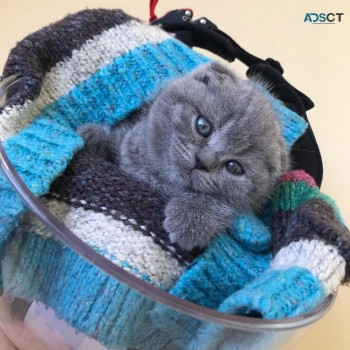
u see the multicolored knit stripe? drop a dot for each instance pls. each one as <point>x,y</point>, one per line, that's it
<point>303,214</point>
<point>295,188</point>
<point>311,253</point>
<point>40,268</point>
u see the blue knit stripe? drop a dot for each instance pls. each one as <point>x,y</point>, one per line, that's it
<point>251,232</point>
<point>293,126</point>
<point>277,294</point>
<point>42,269</point>
<point>41,152</point>
<point>124,85</point>
<point>221,270</point>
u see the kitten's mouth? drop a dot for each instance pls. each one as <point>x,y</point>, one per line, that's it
<point>195,176</point>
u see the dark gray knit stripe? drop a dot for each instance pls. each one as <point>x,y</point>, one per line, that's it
<point>279,226</point>
<point>35,55</point>
<point>98,185</point>
<point>315,219</point>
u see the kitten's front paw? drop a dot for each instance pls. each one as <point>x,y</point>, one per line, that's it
<point>178,233</point>
<point>189,225</point>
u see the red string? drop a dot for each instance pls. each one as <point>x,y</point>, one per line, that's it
<point>152,7</point>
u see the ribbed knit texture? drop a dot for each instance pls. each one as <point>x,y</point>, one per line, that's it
<point>98,305</point>
<point>277,294</point>
<point>225,267</point>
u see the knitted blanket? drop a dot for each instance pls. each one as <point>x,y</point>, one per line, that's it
<point>98,66</point>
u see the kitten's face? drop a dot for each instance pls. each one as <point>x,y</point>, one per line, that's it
<point>214,133</point>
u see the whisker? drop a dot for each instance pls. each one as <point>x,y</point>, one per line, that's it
<point>180,145</point>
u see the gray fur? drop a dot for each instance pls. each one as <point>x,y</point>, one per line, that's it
<point>162,146</point>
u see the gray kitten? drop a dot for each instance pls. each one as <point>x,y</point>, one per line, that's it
<point>210,141</point>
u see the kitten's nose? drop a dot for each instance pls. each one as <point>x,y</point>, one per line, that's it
<point>200,165</point>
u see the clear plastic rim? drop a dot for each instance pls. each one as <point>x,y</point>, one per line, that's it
<point>191,309</point>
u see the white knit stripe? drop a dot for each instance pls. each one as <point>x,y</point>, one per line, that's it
<point>122,243</point>
<point>323,260</point>
<point>94,54</point>
<point>15,118</point>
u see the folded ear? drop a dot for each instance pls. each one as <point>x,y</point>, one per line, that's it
<point>221,71</point>
<point>214,72</point>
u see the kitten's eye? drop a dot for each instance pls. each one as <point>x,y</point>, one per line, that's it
<point>234,167</point>
<point>203,126</point>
